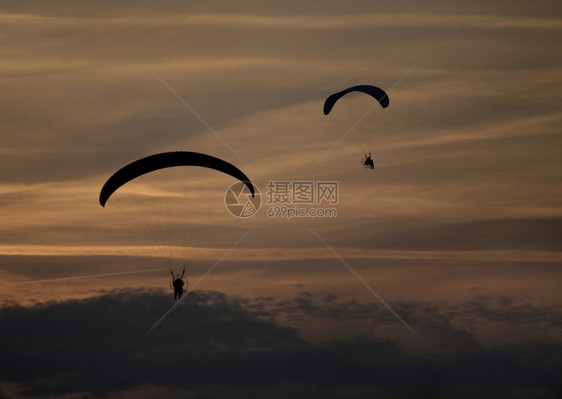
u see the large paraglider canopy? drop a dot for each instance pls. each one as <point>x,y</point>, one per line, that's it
<point>166,160</point>
<point>373,91</point>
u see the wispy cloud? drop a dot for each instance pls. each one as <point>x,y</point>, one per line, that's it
<point>273,253</point>
<point>301,22</point>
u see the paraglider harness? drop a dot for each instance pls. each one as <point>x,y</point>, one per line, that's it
<point>368,162</point>
<point>177,283</point>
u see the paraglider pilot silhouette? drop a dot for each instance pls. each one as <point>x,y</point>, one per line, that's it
<point>177,284</point>
<point>368,162</point>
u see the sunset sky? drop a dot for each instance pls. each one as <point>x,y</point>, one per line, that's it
<point>457,230</point>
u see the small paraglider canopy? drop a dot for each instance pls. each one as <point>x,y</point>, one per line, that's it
<point>378,94</point>
<point>372,91</point>
<point>167,160</point>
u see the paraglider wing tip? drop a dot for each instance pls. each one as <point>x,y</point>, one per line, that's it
<point>103,195</point>
<point>250,187</point>
<point>385,101</point>
<point>329,103</point>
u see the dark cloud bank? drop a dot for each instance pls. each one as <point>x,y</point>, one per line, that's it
<point>215,346</point>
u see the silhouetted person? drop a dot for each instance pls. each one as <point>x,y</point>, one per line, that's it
<point>178,288</point>
<point>177,283</point>
<point>368,162</point>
